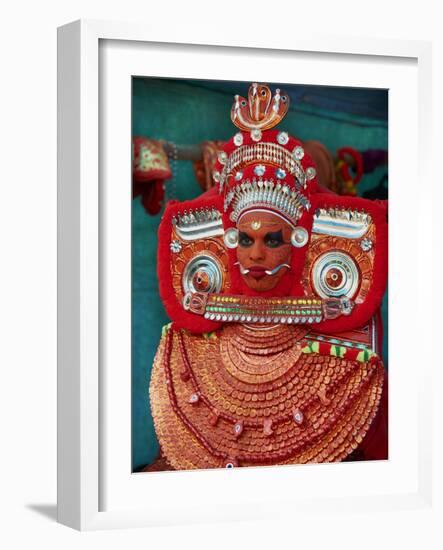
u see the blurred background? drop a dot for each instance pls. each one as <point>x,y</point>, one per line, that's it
<point>176,125</point>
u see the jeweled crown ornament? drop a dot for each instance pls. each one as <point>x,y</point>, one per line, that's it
<point>261,111</point>
<point>261,167</point>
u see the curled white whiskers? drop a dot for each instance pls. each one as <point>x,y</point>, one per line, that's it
<point>276,269</point>
<point>245,271</point>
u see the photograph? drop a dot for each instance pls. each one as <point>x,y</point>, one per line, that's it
<point>259,274</point>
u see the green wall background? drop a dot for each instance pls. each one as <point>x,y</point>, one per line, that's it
<point>189,112</point>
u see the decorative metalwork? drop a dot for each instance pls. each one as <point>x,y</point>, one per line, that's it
<point>245,271</point>
<point>283,138</point>
<point>267,194</point>
<point>222,157</point>
<point>202,274</point>
<point>213,247</point>
<point>298,416</point>
<point>299,237</point>
<point>298,152</point>
<point>245,309</point>
<point>266,152</point>
<point>288,311</point>
<point>230,237</point>
<point>198,224</point>
<point>366,244</point>
<point>195,302</point>
<point>261,111</point>
<point>259,170</point>
<point>238,139</point>
<point>256,134</point>
<point>335,274</point>
<point>311,172</point>
<point>351,224</point>
<point>318,244</point>
<point>175,246</point>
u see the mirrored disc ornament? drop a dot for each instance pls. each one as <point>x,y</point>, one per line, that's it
<point>238,139</point>
<point>311,172</point>
<point>335,274</point>
<point>282,138</point>
<point>256,134</point>
<point>259,170</point>
<point>222,157</point>
<point>280,173</point>
<point>298,416</point>
<point>231,237</point>
<point>366,244</point>
<point>175,246</point>
<point>299,237</point>
<point>202,270</point>
<point>298,152</point>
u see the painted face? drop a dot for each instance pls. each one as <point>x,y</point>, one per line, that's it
<point>264,249</point>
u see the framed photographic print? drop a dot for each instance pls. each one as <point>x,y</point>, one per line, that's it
<point>226,239</point>
<point>252,373</point>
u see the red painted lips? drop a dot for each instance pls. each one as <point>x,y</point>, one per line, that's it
<point>257,271</point>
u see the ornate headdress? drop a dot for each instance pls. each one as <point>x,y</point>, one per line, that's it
<point>339,243</point>
<point>260,167</point>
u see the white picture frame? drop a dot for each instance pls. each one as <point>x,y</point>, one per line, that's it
<point>96,489</point>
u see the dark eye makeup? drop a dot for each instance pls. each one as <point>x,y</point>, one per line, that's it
<point>271,240</point>
<point>244,239</point>
<point>274,240</point>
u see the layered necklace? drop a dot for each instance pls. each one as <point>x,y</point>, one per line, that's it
<point>267,362</point>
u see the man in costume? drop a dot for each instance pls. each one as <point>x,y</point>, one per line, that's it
<point>273,289</point>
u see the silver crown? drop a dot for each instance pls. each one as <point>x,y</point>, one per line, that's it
<point>266,152</point>
<point>266,193</point>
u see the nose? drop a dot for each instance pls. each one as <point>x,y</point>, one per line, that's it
<point>257,251</point>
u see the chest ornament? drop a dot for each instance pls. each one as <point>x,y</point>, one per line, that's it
<point>248,399</point>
